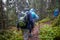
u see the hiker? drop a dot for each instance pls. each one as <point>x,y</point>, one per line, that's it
<point>22,21</point>
<point>56,12</point>
<point>22,24</point>
<point>32,18</point>
<point>26,20</point>
<point>29,20</point>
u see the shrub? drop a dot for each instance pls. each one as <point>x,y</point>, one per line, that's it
<point>45,20</point>
<point>10,35</point>
<point>56,22</point>
<point>49,33</point>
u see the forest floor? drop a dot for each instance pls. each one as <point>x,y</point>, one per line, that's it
<point>36,30</point>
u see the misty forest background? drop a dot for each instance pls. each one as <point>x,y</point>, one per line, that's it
<point>49,26</point>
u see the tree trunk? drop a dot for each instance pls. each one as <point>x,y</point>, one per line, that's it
<point>2,16</point>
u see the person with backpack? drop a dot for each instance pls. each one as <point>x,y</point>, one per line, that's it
<point>56,12</point>
<point>32,17</point>
<point>22,24</point>
<point>26,21</point>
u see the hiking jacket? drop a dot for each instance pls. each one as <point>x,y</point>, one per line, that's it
<point>32,17</point>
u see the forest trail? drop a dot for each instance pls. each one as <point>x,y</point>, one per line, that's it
<point>35,31</point>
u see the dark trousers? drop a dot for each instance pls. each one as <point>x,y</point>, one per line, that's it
<point>30,26</point>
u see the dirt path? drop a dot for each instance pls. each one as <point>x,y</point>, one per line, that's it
<point>35,31</point>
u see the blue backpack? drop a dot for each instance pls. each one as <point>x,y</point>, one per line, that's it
<point>33,15</point>
<point>56,12</point>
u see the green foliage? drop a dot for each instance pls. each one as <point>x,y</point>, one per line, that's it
<point>56,22</point>
<point>49,33</point>
<point>45,20</point>
<point>22,24</point>
<point>10,35</point>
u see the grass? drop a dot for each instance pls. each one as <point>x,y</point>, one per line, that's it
<point>45,20</point>
<point>56,22</point>
<point>49,33</point>
<point>11,35</point>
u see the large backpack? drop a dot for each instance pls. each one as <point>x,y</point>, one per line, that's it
<point>23,19</point>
